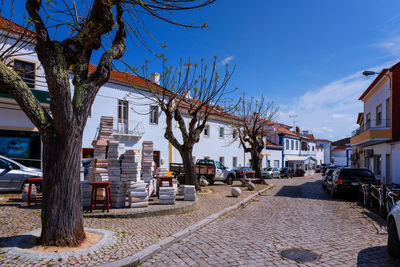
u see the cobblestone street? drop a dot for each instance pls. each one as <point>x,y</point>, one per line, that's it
<point>297,213</point>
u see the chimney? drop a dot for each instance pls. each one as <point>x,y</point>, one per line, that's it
<point>297,130</point>
<point>155,78</point>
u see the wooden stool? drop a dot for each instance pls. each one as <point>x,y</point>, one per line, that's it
<point>93,201</point>
<point>163,179</point>
<point>31,181</point>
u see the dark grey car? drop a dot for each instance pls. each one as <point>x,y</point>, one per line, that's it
<point>13,175</point>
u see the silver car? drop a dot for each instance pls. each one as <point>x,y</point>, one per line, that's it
<point>270,172</point>
<point>14,175</point>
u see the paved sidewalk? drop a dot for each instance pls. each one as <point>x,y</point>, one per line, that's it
<point>134,234</point>
<point>295,214</point>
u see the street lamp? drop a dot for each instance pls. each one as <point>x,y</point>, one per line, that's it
<point>369,73</point>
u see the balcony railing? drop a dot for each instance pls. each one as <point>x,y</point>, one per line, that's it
<point>129,128</point>
<point>372,125</point>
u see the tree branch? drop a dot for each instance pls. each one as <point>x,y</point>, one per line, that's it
<point>23,95</point>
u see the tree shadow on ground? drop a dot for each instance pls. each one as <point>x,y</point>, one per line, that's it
<point>20,241</point>
<point>376,256</point>
<point>312,190</point>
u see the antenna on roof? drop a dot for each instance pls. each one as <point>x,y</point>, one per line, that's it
<point>293,117</point>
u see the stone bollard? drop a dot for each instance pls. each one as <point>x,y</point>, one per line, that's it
<point>251,186</point>
<point>235,191</point>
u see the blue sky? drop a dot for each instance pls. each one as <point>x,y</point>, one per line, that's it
<point>306,56</point>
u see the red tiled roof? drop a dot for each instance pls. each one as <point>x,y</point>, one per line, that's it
<point>272,145</point>
<point>323,140</point>
<point>8,25</point>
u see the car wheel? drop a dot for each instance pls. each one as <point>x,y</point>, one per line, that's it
<point>22,186</point>
<point>211,182</point>
<point>393,240</point>
<point>323,186</point>
<point>229,179</point>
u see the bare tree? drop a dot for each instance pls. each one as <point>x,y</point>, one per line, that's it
<point>256,124</point>
<point>189,95</point>
<point>95,25</point>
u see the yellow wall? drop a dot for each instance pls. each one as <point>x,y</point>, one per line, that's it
<point>371,134</point>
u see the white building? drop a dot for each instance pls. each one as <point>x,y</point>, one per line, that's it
<point>326,144</point>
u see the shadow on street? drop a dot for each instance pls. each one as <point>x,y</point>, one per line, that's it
<point>376,256</point>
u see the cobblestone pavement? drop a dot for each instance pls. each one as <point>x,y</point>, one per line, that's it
<point>134,234</point>
<point>295,214</point>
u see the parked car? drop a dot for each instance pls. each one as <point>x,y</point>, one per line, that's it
<point>239,171</point>
<point>346,179</point>
<point>318,169</point>
<point>327,175</point>
<point>14,175</point>
<point>270,173</point>
<point>287,172</point>
<point>208,169</point>
<point>393,226</point>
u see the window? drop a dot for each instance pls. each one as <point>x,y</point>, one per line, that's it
<point>222,160</point>
<point>153,114</point>
<point>292,145</point>
<point>234,134</point>
<point>297,145</point>
<point>312,148</point>
<point>221,132</point>
<point>26,71</point>
<point>377,164</point>
<point>378,115</point>
<point>234,162</point>
<point>276,163</point>
<point>268,163</point>
<point>368,122</point>
<point>207,130</point>
<point>3,164</point>
<point>123,116</point>
<point>388,112</point>
<point>287,144</point>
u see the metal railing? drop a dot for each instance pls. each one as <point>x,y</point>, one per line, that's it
<point>129,128</point>
<point>379,197</point>
<point>372,125</point>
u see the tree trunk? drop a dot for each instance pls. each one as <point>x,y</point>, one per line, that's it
<point>62,221</point>
<point>255,163</point>
<point>190,170</point>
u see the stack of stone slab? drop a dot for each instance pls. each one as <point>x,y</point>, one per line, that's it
<point>118,196</point>
<point>189,193</point>
<point>147,161</point>
<point>106,128</point>
<point>166,196</point>
<point>162,172</point>
<point>86,193</point>
<point>130,168</point>
<point>138,195</point>
<point>114,166</point>
<point>100,148</point>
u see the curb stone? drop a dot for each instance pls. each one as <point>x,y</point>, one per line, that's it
<point>150,251</point>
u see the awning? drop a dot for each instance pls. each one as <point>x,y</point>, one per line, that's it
<point>42,96</point>
<point>299,158</point>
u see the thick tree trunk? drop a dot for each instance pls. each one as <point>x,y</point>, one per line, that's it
<point>62,221</point>
<point>255,163</point>
<point>190,170</point>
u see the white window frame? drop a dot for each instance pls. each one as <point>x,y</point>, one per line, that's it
<point>223,132</point>
<point>222,161</point>
<point>208,130</point>
<point>154,114</point>
<point>234,162</point>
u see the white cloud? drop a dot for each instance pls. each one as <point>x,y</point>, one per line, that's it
<point>390,45</point>
<point>227,60</point>
<point>330,111</point>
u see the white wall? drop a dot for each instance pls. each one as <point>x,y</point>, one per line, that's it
<point>106,104</point>
<point>396,163</point>
<point>378,98</point>
<point>327,151</point>
<point>273,155</point>
<point>380,149</point>
<point>14,118</point>
<point>214,147</point>
<point>320,156</point>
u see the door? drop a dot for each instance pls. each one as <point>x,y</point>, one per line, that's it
<point>388,176</point>
<point>123,111</point>
<point>156,159</point>
<point>219,171</point>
